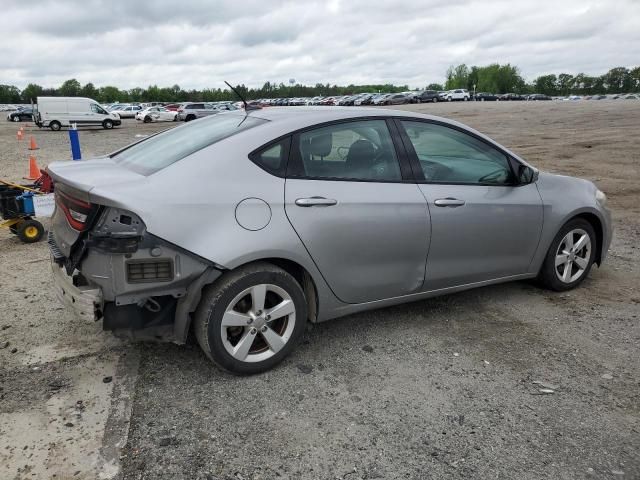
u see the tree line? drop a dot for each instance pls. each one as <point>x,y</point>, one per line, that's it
<point>493,78</point>
<point>498,78</point>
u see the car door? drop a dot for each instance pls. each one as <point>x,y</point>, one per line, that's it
<point>485,222</point>
<point>350,198</point>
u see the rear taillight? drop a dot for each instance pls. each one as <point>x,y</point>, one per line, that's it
<point>76,211</point>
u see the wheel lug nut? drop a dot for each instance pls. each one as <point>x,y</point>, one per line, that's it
<point>249,321</point>
<point>253,331</point>
<point>264,328</point>
<point>268,317</point>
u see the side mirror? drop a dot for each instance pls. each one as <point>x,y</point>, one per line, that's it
<point>526,174</point>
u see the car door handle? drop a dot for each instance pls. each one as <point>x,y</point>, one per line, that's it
<point>316,202</point>
<point>449,202</point>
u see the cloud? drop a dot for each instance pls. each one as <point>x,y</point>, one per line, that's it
<point>200,43</point>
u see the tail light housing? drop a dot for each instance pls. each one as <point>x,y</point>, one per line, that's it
<point>77,212</point>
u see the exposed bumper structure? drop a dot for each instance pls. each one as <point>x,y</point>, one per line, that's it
<point>86,302</point>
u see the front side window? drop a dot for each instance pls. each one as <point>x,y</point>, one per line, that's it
<point>447,155</point>
<point>95,108</point>
<point>359,150</point>
<point>160,151</point>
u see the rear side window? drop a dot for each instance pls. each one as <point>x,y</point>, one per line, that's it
<point>160,151</point>
<point>273,158</point>
<point>361,150</point>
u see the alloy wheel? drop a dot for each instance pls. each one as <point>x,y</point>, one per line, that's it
<point>258,323</point>
<point>573,256</point>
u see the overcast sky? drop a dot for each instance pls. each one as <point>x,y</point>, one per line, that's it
<point>200,43</point>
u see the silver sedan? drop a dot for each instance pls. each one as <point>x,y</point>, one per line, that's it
<point>243,226</point>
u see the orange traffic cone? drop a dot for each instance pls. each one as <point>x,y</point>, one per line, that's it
<point>33,145</point>
<point>19,136</point>
<point>34,170</point>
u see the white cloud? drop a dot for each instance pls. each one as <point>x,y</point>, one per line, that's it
<point>200,43</point>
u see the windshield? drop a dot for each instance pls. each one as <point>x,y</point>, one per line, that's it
<point>166,148</point>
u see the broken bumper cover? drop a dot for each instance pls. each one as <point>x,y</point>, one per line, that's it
<point>86,302</point>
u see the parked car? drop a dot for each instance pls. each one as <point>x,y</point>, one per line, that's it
<point>631,97</point>
<point>235,228</point>
<point>486,97</point>
<point>427,96</point>
<point>512,97</point>
<point>379,99</point>
<point>128,111</point>
<point>58,112</point>
<point>156,114</point>
<point>457,94</point>
<point>22,114</point>
<point>538,97</point>
<point>192,111</point>
<point>396,99</point>
<point>173,106</point>
<point>364,100</point>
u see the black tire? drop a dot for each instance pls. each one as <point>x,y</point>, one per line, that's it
<point>107,124</point>
<point>175,118</point>
<point>189,118</point>
<point>30,231</point>
<point>147,119</point>
<point>217,297</point>
<point>548,277</point>
<point>435,99</point>
<point>55,126</point>
<point>14,229</point>
<point>15,118</point>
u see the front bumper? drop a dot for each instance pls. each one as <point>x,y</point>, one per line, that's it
<point>86,302</point>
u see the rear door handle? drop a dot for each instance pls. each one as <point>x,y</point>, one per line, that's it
<point>316,202</point>
<point>449,202</point>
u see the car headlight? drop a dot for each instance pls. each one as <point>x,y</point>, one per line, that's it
<point>601,197</point>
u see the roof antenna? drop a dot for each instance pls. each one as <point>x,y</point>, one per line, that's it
<point>247,107</point>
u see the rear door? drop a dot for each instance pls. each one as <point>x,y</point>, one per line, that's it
<point>350,197</point>
<point>484,225</point>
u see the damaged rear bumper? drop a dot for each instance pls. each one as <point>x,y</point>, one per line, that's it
<point>86,302</point>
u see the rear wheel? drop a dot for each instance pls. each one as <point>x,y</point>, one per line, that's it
<point>570,256</point>
<point>189,118</point>
<point>251,318</point>
<point>55,126</point>
<point>16,118</point>
<point>30,231</point>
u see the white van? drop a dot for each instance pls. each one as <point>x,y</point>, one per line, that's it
<point>58,112</point>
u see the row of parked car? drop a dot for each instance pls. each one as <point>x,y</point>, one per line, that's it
<point>187,111</point>
<point>425,96</point>
<point>171,112</point>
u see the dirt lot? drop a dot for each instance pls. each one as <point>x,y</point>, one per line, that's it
<point>444,388</point>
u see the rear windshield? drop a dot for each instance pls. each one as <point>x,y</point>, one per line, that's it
<point>160,151</point>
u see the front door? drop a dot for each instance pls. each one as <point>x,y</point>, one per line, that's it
<point>484,226</point>
<point>364,223</point>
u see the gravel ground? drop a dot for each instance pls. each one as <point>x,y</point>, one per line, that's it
<point>444,388</point>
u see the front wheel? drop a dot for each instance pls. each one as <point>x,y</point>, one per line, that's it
<point>147,119</point>
<point>107,124</point>
<point>250,319</point>
<point>570,256</point>
<point>16,118</point>
<point>435,100</point>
